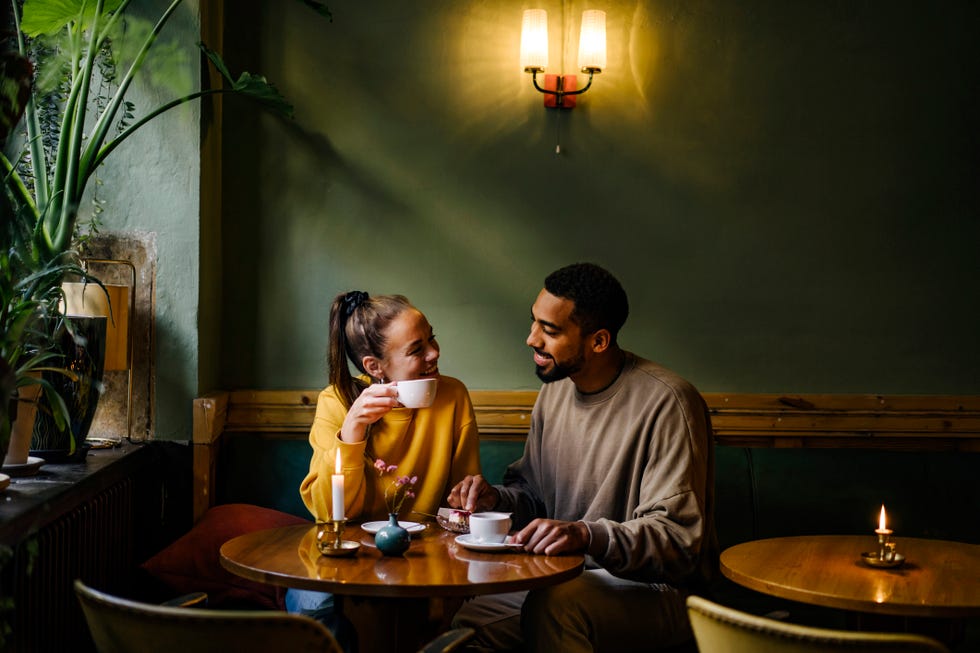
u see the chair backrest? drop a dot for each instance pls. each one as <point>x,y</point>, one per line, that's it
<point>122,626</point>
<point>719,629</point>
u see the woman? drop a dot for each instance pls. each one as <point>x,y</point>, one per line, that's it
<point>388,340</point>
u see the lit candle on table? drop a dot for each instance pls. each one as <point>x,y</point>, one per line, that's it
<point>883,534</point>
<point>337,490</point>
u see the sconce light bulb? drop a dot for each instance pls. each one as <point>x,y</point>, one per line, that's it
<point>534,40</point>
<point>592,42</point>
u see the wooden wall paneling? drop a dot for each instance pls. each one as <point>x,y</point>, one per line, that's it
<point>866,421</point>
<point>209,420</point>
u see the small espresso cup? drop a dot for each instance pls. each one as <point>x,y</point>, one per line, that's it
<point>490,527</point>
<point>417,393</point>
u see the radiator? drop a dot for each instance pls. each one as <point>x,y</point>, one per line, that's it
<point>92,542</point>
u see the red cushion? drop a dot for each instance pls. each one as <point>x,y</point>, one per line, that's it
<point>192,563</point>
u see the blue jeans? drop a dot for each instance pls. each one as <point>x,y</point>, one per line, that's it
<point>320,606</point>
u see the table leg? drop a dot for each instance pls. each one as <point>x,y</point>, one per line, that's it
<point>949,631</point>
<point>396,625</point>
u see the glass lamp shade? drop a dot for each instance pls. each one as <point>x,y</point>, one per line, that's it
<point>592,42</point>
<point>534,39</point>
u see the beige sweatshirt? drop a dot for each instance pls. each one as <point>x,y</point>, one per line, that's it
<point>635,462</point>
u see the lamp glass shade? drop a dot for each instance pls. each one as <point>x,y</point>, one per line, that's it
<point>534,39</point>
<point>592,42</point>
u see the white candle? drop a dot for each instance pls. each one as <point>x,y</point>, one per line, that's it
<point>337,490</point>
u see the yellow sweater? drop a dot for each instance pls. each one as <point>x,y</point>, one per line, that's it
<point>439,444</point>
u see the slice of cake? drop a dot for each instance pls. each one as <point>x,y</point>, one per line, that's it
<point>457,521</point>
<point>460,519</point>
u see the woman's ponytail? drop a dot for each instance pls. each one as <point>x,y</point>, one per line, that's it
<point>358,323</point>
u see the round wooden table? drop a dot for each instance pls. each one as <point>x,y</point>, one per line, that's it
<point>379,594</point>
<point>938,578</point>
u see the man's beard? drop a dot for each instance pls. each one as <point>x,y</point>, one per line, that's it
<point>560,371</point>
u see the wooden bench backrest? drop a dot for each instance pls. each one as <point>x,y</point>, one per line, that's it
<point>895,422</point>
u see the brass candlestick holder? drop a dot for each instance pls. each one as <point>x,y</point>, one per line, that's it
<point>886,555</point>
<point>884,539</point>
<point>330,541</point>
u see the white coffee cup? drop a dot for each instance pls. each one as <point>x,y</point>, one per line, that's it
<point>490,527</point>
<point>417,393</point>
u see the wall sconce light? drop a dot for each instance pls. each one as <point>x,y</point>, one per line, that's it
<point>560,90</point>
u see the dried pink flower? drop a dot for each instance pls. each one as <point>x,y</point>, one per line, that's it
<point>398,489</point>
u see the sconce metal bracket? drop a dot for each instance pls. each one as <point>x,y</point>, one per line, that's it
<point>556,95</point>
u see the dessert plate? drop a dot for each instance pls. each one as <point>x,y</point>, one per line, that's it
<point>373,527</point>
<point>469,542</point>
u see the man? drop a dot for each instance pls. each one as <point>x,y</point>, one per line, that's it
<point>618,465</point>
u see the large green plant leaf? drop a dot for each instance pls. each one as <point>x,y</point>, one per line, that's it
<point>256,87</point>
<point>50,16</point>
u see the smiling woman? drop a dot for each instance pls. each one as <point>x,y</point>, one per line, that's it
<point>360,419</point>
<point>360,423</point>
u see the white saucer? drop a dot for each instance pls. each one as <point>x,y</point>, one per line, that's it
<point>469,542</point>
<point>410,526</point>
<point>24,469</point>
<point>4,482</point>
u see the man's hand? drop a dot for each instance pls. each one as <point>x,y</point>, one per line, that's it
<point>553,537</point>
<point>474,494</point>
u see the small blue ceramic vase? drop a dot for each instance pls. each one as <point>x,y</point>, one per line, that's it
<point>391,539</point>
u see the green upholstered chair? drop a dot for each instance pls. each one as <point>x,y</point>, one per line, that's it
<point>719,629</point>
<point>122,626</point>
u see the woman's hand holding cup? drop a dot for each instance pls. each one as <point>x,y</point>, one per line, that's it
<point>371,405</point>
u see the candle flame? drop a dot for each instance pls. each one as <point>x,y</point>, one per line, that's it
<point>881,518</point>
<point>338,469</point>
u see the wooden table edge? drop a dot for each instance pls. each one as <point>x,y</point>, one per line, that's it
<point>396,591</point>
<point>399,591</point>
<point>841,603</point>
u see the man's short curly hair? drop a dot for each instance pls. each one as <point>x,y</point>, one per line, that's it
<point>600,301</point>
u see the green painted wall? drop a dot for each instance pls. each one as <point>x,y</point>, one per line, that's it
<point>786,189</point>
<point>151,185</point>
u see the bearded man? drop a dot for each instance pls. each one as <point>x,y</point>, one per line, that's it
<point>619,466</point>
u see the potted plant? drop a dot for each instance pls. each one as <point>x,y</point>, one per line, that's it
<point>71,127</point>
<point>27,289</point>
<point>29,318</point>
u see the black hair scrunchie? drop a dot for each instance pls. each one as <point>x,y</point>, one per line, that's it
<point>352,300</point>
